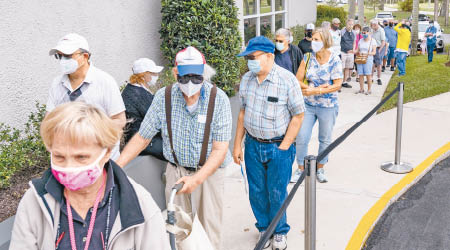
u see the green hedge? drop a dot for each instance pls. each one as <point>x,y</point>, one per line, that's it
<point>22,148</point>
<point>209,25</point>
<point>327,13</point>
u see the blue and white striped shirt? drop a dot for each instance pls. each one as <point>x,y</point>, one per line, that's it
<point>188,128</point>
<point>270,105</point>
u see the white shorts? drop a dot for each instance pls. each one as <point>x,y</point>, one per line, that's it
<point>348,60</point>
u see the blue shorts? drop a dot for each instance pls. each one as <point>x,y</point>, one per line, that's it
<point>391,53</point>
<point>366,69</point>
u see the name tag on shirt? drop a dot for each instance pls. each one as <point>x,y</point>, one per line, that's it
<point>201,118</point>
<point>272,99</point>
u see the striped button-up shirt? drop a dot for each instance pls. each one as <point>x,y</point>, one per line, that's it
<point>270,105</point>
<point>188,128</point>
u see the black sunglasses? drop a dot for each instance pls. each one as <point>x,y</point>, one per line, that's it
<point>59,56</point>
<point>252,57</point>
<point>195,79</point>
<point>279,41</point>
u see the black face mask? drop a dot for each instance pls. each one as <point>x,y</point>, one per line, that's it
<point>391,24</point>
<point>334,27</point>
<point>385,25</point>
<point>309,34</point>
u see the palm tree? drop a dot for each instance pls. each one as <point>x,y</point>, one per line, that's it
<point>446,11</point>
<point>361,13</point>
<point>351,9</point>
<point>415,24</point>
<point>436,9</point>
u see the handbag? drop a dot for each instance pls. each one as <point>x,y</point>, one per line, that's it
<point>362,58</point>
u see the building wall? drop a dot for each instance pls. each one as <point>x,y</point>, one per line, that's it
<point>118,32</point>
<point>301,12</point>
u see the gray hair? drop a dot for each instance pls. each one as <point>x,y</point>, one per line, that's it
<point>283,32</point>
<point>326,24</point>
<point>350,20</point>
<point>208,72</point>
<point>373,21</point>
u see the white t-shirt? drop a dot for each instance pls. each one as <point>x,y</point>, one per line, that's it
<point>364,46</point>
<point>336,35</point>
<point>98,88</point>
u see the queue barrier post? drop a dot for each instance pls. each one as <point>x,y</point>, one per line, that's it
<point>397,166</point>
<point>310,202</point>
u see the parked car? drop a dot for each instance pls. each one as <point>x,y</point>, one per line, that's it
<point>440,46</point>
<point>422,18</point>
<point>381,16</point>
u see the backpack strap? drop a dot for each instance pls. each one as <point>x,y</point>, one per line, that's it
<point>168,102</point>
<point>209,116</point>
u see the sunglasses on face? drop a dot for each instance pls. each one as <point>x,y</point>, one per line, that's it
<point>195,79</point>
<point>279,41</point>
<point>252,57</point>
<point>60,56</point>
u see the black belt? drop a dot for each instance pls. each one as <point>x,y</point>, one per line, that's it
<point>187,168</point>
<point>273,140</point>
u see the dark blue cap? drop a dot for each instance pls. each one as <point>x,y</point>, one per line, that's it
<point>259,43</point>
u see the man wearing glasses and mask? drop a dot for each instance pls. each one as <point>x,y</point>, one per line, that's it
<point>184,113</point>
<point>81,81</point>
<point>270,118</point>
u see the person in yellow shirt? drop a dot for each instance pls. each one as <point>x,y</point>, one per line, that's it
<point>403,41</point>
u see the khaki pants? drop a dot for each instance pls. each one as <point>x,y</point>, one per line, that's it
<point>206,200</point>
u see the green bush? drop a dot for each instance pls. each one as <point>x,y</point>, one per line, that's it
<point>209,25</point>
<point>22,149</point>
<point>327,13</point>
<point>298,33</point>
<point>406,5</point>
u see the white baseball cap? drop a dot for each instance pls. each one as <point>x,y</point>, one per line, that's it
<point>310,26</point>
<point>190,61</point>
<point>144,65</point>
<point>70,43</point>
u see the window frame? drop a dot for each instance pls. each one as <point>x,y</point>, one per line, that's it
<point>272,13</point>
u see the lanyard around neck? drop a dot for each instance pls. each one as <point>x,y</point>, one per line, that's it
<point>91,223</point>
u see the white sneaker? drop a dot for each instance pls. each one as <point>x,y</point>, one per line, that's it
<point>321,175</point>
<point>279,242</point>
<point>296,175</point>
<point>267,245</point>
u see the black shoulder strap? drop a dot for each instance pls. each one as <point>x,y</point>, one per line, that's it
<point>209,116</point>
<point>168,103</point>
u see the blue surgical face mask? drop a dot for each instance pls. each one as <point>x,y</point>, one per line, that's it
<point>254,66</point>
<point>279,46</point>
<point>365,36</point>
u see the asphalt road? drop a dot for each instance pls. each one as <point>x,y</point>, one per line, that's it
<point>419,218</point>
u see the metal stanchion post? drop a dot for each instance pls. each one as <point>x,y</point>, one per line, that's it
<point>397,166</point>
<point>310,202</point>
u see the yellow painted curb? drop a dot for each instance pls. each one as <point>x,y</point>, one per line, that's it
<point>368,220</point>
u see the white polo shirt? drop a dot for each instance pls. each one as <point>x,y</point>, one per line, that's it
<point>98,88</point>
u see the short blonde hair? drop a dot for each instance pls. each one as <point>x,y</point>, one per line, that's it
<point>80,122</point>
<point>325,36</point>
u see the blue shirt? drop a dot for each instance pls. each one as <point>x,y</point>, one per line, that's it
<point>391,36</point>
<point>431,39</point>
<point>284,60</point>
<point>270,105</point>
<point>188,127</point>
<point>322,74</point>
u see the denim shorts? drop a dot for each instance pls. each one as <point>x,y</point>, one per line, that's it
<point>378,58</point>
<point>366,69</point>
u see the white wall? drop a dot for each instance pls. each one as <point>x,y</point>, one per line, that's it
<point>118,32</point>
<point>301,12</point>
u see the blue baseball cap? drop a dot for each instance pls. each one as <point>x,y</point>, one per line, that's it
<point>259,43</point>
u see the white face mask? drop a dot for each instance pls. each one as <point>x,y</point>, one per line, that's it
<point>152,82</point>
<point>357,32</point>
<point>316,46</point>
<point>190,89</point>
<point>68,66</point>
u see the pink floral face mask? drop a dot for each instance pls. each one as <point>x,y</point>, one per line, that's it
<point>75,178</point>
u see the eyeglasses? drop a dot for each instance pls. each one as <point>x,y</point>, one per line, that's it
<point>279,41</point>
<point>195,79</point>
<point>60,56</point>
<point>252,57</point>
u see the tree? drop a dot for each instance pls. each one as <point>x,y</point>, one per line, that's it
<point>381,6</point>
<point>446,6</point>
<point>209,25</point>
<point>361,13</point>
<point>351,9</point>
<point>415,27</point>
<point>436,9</point>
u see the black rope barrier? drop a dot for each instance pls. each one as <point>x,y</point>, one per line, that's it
<point>331,147</point>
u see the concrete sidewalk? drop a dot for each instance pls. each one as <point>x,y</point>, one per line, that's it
<point>355,179</point>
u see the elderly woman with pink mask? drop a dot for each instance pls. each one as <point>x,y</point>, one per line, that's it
<point>85,201</point>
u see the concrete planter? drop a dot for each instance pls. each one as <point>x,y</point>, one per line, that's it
<point>5,232</point>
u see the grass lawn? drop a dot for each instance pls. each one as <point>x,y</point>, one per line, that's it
<point>422,79</point>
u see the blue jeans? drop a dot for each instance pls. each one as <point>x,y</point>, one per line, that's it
<point>430,48</point>
<point>268,173</point>
<point>401,63</point>
<point>326,118</point>
<point>366,69</point>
